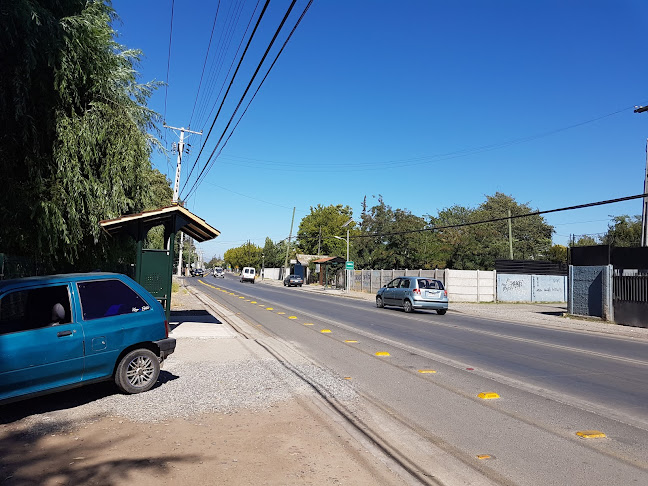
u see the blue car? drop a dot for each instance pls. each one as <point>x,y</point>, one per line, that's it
<point>62,331</point>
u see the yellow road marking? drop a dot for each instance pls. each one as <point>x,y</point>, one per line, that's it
<point>591,434</point>
<point>427,371</point>
<point>483,456</point>
<point>488,395</point>
<point>350,341</point>
<point>382,353</point>
<point>325,331</point>
<point>281,313</point>
<point>253,302</point>
<point>292,317</point>
<point>269,308</point>
<point>308,323</point>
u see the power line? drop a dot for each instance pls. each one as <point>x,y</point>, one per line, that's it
<point>166,90</point>
<point>205,169</point>
<point>205,63</point>
<point>414,161</point>
<point>256,71</point>
<point>265,7</point>
<point>504,218</point>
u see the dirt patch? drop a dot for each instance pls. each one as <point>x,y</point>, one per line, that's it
<point>286,444</point>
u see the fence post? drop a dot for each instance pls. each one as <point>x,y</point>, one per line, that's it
<point>478,286</point>
<point>570,301</point>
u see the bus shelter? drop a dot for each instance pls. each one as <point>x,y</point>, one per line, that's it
<point>154,268</point>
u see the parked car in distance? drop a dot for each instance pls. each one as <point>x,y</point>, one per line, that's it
<point>219,272</point>
<point>198,272</point>
<point>413,293</point>
<point>293,280</point>
<point>63,331</point>
<point>248,274</point>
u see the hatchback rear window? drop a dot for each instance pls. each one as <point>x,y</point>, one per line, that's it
<point>425,283</point>
<point>104,298</point>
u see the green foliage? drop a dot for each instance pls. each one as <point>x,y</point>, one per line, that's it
<point>247,255</point>
<point>75,148</point>
<point>274,254</point>
<point>585,240</point>
<point>623,231</point>
<point>317,230</point>
<point>558,254</point>
<point>478,246</point>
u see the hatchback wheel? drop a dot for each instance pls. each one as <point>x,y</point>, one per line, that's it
<point>441,311</point>
<point>137,371</point>
<point>407,306</point>
<point>379,302</point>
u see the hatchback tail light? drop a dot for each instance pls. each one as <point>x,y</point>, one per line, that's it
<point>417,291</point>
<point>445,292</point>
<point>166,327</point>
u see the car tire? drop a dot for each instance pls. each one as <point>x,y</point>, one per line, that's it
<point>407,306</point>
<point>138,371</point>
<point>441,311</point>
<point>300,285</point>
<point>379,302</point>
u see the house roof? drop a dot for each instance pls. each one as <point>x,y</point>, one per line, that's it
<point>329,260</point>
<point>184,220</point>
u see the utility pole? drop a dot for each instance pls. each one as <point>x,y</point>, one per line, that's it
<point>180,148</point>
<point>289,238</point>
<point>510,236</point>
<point>644,210</point>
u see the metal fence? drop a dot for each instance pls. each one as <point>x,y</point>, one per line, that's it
<point>371,280</point>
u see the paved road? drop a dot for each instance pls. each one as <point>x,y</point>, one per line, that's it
<point>552,383</point>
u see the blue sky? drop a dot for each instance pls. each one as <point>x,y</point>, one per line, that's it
<point>428,103</point>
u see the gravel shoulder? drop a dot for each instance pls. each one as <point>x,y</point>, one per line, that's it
<point>224,412</point>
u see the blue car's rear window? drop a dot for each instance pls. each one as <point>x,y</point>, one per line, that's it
<point>105,298</point>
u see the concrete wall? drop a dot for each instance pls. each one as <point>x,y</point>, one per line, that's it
<point>590,291</point>
<point>371,280</point>
<point>531,288</point>
<point>470,285</point>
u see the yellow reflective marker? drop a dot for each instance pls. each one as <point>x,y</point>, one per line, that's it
<point>308,323</point>
<point>281,313</point>
<point>488,395</point>
<point>483,456</point>
<point>591,434</point>
<point>325,331</point>
<point>427,371</point>
<point>382,353</point>
<point>292,317</point>
<point>269,308</point>
<point>241,297</point>
<point>253,302</point>
<point>350,341</point>
<point>347,377</point>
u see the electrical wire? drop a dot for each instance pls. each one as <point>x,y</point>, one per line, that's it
<point>258,68</point>
<point>205,63</point>
<point>207,166</point>
<point>166,90</point>
<point>265,7</point>
<point>495,220</point>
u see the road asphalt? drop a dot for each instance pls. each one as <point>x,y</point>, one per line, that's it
<point>189,308</point>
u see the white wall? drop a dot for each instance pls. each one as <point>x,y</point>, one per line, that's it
<point>470,285</point>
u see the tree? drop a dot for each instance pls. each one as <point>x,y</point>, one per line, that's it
<point>317,230</point>
<point>558,254</point>
<point>74,146</point>
<point>247,255</point>
<point>585,240</point>
<point>623,231</point>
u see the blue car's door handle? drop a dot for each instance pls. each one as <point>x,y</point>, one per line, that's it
<point>64,333</point>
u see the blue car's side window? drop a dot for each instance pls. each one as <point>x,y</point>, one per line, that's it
<point>105,298</point>
<point>27,309</point>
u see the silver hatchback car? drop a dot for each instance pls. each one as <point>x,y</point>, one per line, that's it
<point>412,293</point>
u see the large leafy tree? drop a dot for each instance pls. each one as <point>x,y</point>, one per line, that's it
<point>317,230</point>
<point>74,147</point>
<point>247,255</point>
<point>623,231</point>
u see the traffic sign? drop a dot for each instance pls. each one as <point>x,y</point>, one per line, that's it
<point>349,265</point>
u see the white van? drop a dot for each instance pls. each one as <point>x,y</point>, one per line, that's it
<point>247,275</point>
